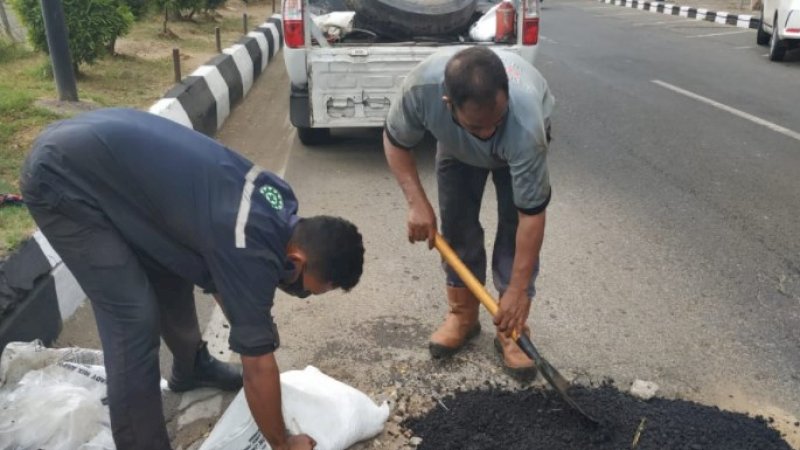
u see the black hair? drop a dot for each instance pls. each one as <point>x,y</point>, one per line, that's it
<point>475,74</point>
<point>334,249</point>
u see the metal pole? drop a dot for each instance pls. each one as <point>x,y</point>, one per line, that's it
<point>244,22</point>
<point>218,39</point>
<point>57,42</point>
<point>4,20</point>
<point>176,64</point>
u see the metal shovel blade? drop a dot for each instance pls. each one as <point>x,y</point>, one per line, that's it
<point>553,377</point>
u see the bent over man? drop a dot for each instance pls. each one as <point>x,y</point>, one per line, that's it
<point>141,210</point>
<point>490,114</point>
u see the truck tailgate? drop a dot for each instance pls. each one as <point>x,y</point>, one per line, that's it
<point>354,86</point>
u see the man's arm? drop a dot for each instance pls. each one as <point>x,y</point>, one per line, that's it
<point>515,304</point>
<point>262,388</point>
<point>421,218</point>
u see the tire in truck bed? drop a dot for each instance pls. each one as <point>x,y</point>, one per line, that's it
<point>405,19</point>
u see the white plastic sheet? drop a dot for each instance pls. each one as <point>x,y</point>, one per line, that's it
<point>53,399</point>
<point>335,25</point>
<point>334,414</point>
<point>484,29</point>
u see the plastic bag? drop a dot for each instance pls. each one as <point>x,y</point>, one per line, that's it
<point>334,414</point>
<point>20,358</point>
<point>59,407</point>
<point>484,29</point>
<point>335,25</point>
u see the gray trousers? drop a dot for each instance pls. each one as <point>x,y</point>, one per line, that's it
<point>461,188</point>
<point>134,303</point>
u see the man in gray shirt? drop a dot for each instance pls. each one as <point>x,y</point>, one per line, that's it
<point>490,114</point>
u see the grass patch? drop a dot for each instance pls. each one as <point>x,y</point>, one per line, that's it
<point>136,77</point>
<point>16,225</point>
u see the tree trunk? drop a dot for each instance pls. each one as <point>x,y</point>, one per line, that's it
<point>166,18</point>
<point>110,47</point>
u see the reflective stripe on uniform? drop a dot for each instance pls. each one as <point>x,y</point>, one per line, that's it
<point>244,205</point>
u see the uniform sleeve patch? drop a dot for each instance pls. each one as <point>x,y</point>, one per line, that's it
<point>273,196</point>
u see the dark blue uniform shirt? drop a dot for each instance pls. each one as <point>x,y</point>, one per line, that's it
<point>187,203</point>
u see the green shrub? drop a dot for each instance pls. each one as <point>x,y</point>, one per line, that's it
<point>211,5</point>
<point>137,7</point>
<point>93,26</point>
<point>186,9</point>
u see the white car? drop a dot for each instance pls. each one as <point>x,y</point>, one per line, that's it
<point>780,27</point>
<point>346,72</point>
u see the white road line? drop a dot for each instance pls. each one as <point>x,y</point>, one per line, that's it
<point>744,48</point>
<point>662,22</point>
<point>717,34</point>
<point>774,127</point>
<point>216,334</point>
<point>618,14</point>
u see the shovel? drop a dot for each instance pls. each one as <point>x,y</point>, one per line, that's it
<point>556,380</point>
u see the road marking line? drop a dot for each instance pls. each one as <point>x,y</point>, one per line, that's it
<point>772,126</point>
<point>620,15</point>
<point>743,48</point>
<point>662,22</point>
<point>717,34</point>
<point>215,333</point>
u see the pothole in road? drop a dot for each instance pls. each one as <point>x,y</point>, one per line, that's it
<point>538,419</point>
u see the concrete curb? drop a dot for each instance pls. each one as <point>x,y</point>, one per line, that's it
<point>35,278</point>
<point>738,20</point>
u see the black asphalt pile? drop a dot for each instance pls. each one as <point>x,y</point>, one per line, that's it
<point>538,419</point>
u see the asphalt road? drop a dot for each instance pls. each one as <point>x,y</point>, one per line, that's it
<point>671,252</point>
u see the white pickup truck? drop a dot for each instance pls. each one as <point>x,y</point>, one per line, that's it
<point>349,77</point>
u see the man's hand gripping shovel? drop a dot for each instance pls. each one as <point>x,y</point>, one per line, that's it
<point>556,380</point>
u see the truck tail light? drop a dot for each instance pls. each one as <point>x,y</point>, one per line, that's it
<point>294,33</point>
<point>504,22</point>
<point>530,22</point>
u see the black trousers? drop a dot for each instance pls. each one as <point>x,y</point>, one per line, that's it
<point>461,188</point>
<point>134,302</point>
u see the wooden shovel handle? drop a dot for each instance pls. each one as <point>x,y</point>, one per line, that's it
<point>475,286</point>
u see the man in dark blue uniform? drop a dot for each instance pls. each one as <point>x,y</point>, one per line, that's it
<point>141,210</point>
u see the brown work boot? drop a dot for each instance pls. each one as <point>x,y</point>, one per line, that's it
<point>460,325</point>
<point>515,362</point>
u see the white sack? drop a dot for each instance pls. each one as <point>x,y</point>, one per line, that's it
<point>334,414</point>
<point>484,29</point>
<point>336,24</point>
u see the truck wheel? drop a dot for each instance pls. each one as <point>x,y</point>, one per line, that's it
<point>762,37</point>
<point>402,19</point>
<point>314,136</point>
<point>777,49</point>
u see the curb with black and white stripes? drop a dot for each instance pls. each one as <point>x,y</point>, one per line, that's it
<point>738,20</point>
<point>202,101</point>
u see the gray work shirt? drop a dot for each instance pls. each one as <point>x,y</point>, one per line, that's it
<point>520,142</point>
<point>184,202</point>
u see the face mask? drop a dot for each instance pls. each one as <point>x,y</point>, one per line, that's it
<point>296,288</point>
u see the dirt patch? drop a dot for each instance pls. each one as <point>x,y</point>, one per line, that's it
<point>195,39</point>
<point>538,419</point>
<point>394,332</point>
